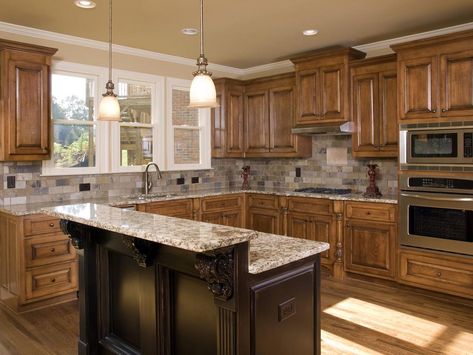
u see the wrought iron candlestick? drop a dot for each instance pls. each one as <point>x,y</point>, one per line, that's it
<point>372,190</point>
<point>245,174</point>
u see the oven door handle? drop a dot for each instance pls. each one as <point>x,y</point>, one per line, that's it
<point>433,198</point>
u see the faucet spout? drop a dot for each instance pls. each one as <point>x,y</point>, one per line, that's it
<point>148,181</point>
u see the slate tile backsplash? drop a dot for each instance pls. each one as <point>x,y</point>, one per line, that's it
<point>31,187</point>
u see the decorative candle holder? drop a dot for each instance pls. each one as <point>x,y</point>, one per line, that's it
<point>372,190</point>
<point>245,174</point>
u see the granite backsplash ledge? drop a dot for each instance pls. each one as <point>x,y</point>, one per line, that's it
<point>331,165</point>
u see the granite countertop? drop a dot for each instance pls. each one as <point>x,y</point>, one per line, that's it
<point>176,232</point>
<point>32,208</point>
<point>267,251</point>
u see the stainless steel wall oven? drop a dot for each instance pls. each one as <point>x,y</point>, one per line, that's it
<point>437,213</point>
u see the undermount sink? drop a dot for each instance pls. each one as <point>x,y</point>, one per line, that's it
<point>151,196</point>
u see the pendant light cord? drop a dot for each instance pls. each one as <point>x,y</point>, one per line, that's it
<point>201,28</point>
<point>110,41</point>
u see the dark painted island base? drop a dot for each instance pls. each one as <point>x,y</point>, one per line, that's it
<point>140,297</point>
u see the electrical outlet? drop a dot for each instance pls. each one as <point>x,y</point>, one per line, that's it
<point>298,172</point>
<point>84,187</point>
<point>11,182</point>
<point>195,180</point>
<point>180,181</point>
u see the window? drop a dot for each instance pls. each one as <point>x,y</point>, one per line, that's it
<point>188,129</point>
<point>139,137</point>
<point>175,137</point>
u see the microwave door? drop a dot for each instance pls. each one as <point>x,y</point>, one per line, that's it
<point>433,147</point>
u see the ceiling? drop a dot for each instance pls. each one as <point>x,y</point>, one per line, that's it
<point>242,33</point>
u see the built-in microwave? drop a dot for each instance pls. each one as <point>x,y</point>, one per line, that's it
<point>437,146</point>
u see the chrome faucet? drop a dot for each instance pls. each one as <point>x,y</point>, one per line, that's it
<point>148,180</point>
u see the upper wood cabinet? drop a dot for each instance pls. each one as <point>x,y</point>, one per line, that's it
<point>227,120</point>
<point>25,94</point>
<point>374,107</point>
<point>436,77</point>
<point>322,86</point>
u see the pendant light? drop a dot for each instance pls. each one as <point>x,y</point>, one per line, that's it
<point>202,93</point>
<point>109,109</point>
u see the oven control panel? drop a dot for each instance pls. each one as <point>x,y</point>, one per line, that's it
<point>441,183</point>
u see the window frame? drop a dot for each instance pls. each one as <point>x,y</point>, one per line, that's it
<point>204,128</point>
<point>157,122</point>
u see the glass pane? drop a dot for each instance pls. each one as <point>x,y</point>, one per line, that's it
<point>186,146</point>
<point>72,97</point>
<point>136,146</point>
<point>181,114</point>
<point>74,146</point>
<point>434,145</point>
<point>135,102</point>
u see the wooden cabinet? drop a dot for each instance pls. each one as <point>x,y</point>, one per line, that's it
<point>226,210</point>
<point>264,213</point>
<point>374,107</point>
<point>227,120</point>
<point>38,265</point>
<point>436,77</point>
<point>256,121</point>
<point>370,239</point>
<point>322,86</point>
<point>437,271</point>
<point>26,97</point>
<point>181,208</point>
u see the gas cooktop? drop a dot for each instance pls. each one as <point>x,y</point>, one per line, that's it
<point>324,190</point>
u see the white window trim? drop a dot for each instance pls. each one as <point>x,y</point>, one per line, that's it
<point>157,120</point>
<point>204,123</point>
<point>101,137</point>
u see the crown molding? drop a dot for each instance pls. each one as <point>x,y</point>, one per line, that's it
<point>222,69</point>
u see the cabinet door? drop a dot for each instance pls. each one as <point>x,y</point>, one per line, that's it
<point>369,248</point>
<point>365,112</point>
<point>217,124</point>
<point>234,121</point>
<point>456,84</point>
<point>232,219</point>
<point>418,88</point>
<point>28,121</point>
<point>332,87</point>
<point>264,220</point>
<point>299,225</point>
<point>308,96</point>
<point>214,217</point>
<point>388,127</point>
<point>257,122</point>
<point>281,120</point>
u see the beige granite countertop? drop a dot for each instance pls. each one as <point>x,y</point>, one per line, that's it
<point>176,232</point>
<point>267,251</point>
<point>32,208</point>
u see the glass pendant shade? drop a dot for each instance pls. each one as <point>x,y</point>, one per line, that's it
<point>202,93</point>
<point>109,109</point>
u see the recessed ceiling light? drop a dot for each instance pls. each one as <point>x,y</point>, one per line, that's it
<point>310,32</point>
<point>85,4</point>
<point>189,31</point>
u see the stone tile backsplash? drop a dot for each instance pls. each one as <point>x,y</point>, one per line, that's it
<point>31,187</point>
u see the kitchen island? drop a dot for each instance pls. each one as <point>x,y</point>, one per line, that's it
<point>152,284</point>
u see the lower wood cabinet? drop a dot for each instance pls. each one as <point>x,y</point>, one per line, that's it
<point>232,218</point>
<point>226,210</point>
<point>437,271</point>
<point>38,265</point>
<point>264,214</point>
<point>181,208</point>
<point>370,239</point>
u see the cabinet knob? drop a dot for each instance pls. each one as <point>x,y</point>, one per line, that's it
<point>444,110</point>
<point>439,274</point>
<point>53,280</point>
<point>51,225</point>
<point>433,111</point>
<point>53,250</point>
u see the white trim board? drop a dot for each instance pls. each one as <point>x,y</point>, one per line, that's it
<point>79,41</point>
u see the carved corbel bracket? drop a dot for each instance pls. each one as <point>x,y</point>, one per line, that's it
<point>217,270</point>
<point>143,251</point>
<point>75,231</point>
<point>339,246</point>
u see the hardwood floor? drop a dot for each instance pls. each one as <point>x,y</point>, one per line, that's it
<point>358,317</point>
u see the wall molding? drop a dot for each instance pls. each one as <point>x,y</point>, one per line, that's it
<point>222,69</point>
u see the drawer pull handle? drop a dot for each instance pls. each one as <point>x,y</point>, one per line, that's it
<point>53,250</point>
<point>439,274</point>
<point>53,280</point>
<point>368,213</point>
<point>51,225</point>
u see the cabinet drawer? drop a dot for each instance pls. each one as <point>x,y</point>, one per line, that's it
<point>436,272</point>
<point>173,208</point>
<point>219,203</point>
<point>310,205</point>
<point>51,280</point>
<point>371,211</point>
<point>48,249</point>
<point>263,201</point>
<point>40,224</point>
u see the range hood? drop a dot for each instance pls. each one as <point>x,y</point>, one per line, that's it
<point>334,130</point>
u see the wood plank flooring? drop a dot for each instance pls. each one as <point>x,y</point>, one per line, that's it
<point>358,317</point>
